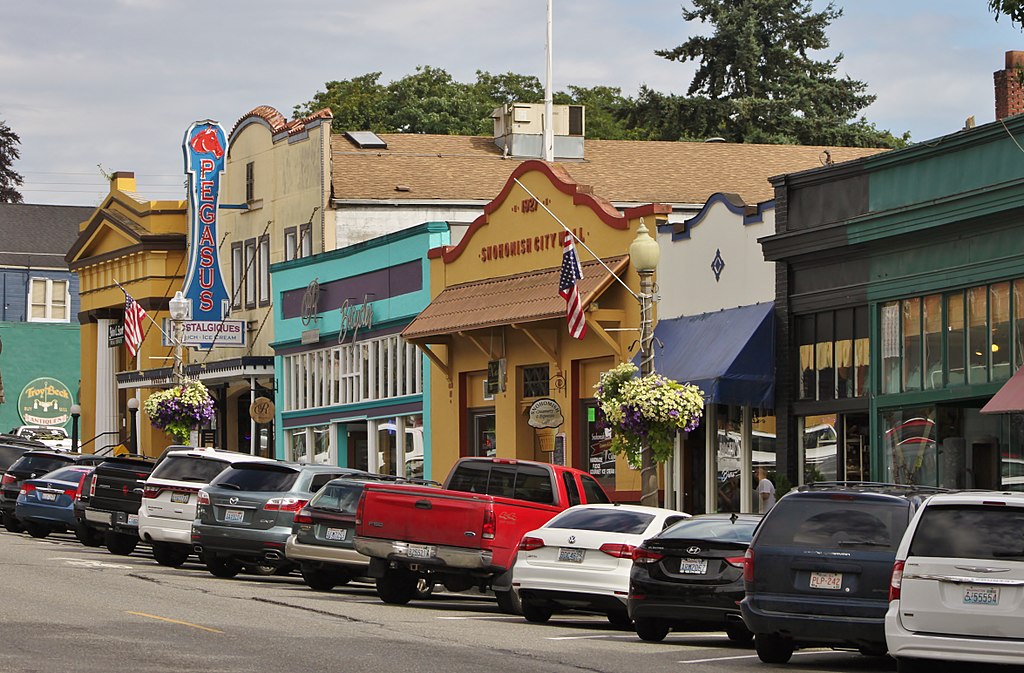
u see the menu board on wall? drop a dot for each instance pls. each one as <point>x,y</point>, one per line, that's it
<point>600,459</point>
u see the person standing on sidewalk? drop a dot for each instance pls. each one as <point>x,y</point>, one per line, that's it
<point>765,491</point>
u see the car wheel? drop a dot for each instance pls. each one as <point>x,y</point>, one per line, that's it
<point>170,555</point>
<point>88,536</point>
<point>121,544</point>
<point>904,665</point>
<point>650,630</point>
<point>773,649</point>
<point>319,579</point>
<point>620,618</point>
<point>36,530</point>
<point>220,566</point>
<point>738,632</point>
<point>509,602</point>
<point>397,587</point>
<point>536,613</point>
<point>12,524</point>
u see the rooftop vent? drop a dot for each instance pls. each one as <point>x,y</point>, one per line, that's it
<point>366,140</point>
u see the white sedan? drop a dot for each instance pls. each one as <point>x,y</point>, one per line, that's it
<point>581,559</point>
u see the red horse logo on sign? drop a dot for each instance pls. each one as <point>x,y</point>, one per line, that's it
<point>206,141</point>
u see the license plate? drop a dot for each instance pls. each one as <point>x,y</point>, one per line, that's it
<point>570,555</point>
<point>336,533</point>
<point>693,566</point>
<point>177,496</point>
<point>981,595</point>
<point>133,519</point>
<point>421,551</point>
<point>49,497</point>
<point>234,516</point>
<point>831,581</point>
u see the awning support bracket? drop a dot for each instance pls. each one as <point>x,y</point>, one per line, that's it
<point>473,339</point>
<point>433,357</point>
<point>604,335</point>
<point>552,353</point>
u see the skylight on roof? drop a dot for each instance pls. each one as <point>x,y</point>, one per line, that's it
<point>366,140</point>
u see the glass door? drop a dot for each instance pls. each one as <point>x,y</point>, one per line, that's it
<point>484,439</point>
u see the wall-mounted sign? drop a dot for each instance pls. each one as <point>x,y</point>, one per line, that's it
<point>495,382</point>
<point>115,334</point>
<point>311,302</point>
<point>261,410</point>
<point>207,333</point>
<point>529,245</point>
<point>45,401</point>
<point>205,149</point>
<point>545,413</point>
<point>353,317</point>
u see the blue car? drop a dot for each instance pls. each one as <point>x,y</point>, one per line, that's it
<point>46,505</point>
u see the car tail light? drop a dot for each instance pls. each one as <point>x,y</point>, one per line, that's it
<point>150,491</point>
<point>530,543</point>
<point>92,486</point>
<point>284,504</point>
<point>71,492</point>
<point>645,555</point>
<point>617,549</point>
<point>203,498</point>
<point>748,566</point>
<point>737,561</point>
<point>489,524</point>
<point>896,582</point>
<point>81,486</point>
<point>303,516</point>
<point>359,508</point>
<point>8,479</point>
<point>26,488</point>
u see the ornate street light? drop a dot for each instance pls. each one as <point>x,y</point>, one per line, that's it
<point>133,438</point>
<point>76,413</point>
<point>644,255</point>
<point>180,308</point>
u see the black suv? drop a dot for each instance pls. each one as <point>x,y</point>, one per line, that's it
<point>29,465</point>
<point>818,567</point>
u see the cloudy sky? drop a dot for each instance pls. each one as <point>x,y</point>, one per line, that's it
<point>105,85</point>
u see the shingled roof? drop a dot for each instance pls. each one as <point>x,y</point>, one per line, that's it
<point>39,235</point>
<point>453,168</point>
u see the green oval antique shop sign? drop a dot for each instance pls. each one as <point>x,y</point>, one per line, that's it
<point>45,401</point>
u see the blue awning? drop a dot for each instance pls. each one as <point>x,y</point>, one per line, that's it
<point>729,354</point>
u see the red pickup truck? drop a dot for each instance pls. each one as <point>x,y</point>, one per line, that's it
<point>467,533</point>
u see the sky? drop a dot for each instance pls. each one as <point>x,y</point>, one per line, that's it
<point>96,86</point>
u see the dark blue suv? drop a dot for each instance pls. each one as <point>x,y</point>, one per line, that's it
<point>817,570</point>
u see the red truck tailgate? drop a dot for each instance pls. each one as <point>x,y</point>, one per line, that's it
<point>424,515</point>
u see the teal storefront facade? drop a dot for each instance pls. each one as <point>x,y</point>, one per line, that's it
<point>350,391</point>
<point>900,307</point>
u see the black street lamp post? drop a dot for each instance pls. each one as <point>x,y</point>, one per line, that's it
<point>76,412</point>
<point>133,438</point>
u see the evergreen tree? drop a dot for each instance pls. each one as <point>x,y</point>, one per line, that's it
<point>9,179</point>
<point>757,82</point>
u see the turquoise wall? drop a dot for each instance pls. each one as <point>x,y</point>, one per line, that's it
<point>31,350</point>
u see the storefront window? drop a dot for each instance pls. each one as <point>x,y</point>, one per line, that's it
<point>956,346</point>
<point>805,337</point>
<point>297,445</point>
<point>729,458</point>
<point>844,354</point>
<point>977,335</point>
<point>823,355</point>
<point>911,344</point>
<point>1018,323</point>
<point>820,442</point>
<point>414,447</point>
<point>891,347</point>
<point>861,350</point>
<point>484,440</point>
<point>321,444</point>
<point>933,342</point>
<point>387,446</point>
<point>909,446</point>
<point>1012,467</point>
<point>535,381</point>
<point>999,327</point>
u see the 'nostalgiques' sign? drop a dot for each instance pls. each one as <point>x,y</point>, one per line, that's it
<point>205,149</point>
<point>45,401</point>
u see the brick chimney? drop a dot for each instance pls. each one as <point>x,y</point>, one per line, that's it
<point>1009,92</point>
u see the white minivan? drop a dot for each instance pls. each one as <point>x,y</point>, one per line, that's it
<point>169,499</point>
<point>957,589</point>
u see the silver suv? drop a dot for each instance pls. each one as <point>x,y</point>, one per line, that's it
<point>957,587</point>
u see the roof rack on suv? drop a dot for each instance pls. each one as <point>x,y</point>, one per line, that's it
<point>870,486</point>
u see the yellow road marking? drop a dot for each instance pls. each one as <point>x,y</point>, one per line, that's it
<point>176,621</point>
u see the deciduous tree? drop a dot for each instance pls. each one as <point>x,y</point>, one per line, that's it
<point>9,153</point>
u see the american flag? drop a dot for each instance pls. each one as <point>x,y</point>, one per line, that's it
<point>571,273</point>
<point>134,315</point>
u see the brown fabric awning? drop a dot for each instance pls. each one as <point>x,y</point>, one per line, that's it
<point>525,297</point>
<point>1010,398</point>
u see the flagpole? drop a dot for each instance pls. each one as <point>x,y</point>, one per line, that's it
<point>580,241</point>
<point>155,324</point>
<point>549,112</point>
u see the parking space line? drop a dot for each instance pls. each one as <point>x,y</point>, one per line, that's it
<point>175,621</point>
<point>754,656</point>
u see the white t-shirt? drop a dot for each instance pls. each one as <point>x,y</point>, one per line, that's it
<point>766,486</point>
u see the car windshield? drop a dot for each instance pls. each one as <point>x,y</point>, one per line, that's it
<point>189,468</point>
<point>39,464</point>
<point>982,532</point>
<point>835,523</point>
<point>603,519</point>
<point>46,433</point>
<point>257,479</point>
<point>725,530</point>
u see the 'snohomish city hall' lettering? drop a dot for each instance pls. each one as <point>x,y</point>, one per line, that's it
<point>526,246</point>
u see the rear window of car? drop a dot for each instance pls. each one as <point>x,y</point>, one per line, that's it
<point>835,523</point>
<point>189,468</point>
<point>9,454</point>
<point>970,531</point>
<point>40,464</point>
<point>603,519</point>
<point>338,498</point>
<point>67,474</point>
<point>522,482</point>
<point>257,479</point>
<point>711,529</point>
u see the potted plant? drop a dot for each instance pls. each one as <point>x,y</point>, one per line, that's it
<point>647,410</point>
<point>181,409</point>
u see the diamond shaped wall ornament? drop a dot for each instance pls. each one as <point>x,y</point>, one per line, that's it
<point>717,264</point>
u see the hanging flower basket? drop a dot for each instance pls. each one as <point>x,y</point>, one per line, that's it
<point>647,410</point>
<point>179,410</point>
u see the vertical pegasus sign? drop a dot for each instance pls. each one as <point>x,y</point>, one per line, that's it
<point>205,150</point>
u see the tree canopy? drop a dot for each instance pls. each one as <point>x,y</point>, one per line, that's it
<point>1011,8</point>
<point>9,153</point>
<point>756,82</point>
